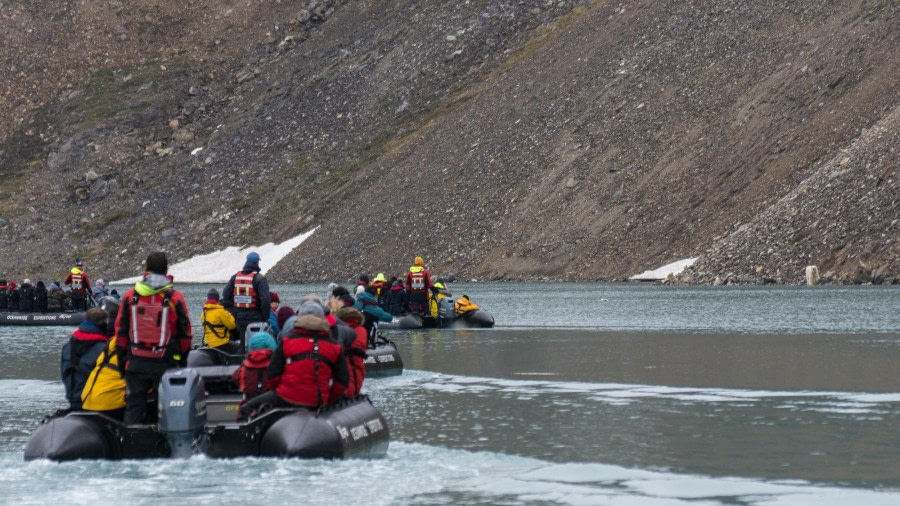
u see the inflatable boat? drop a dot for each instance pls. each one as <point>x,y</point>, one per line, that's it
<point>41,319</point>
<point>473,319</point>
<point>197,412</point>
<point>382,359</point>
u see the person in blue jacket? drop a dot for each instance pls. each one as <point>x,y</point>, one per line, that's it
<point>368,305</point>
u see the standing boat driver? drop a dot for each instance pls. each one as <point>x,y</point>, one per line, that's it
<point>81,286</point>
<point>418,283</point>
<point>247,295</point>
<point>153,332</point>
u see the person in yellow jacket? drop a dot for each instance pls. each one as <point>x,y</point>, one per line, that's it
<point>434,301</point>
<point>464,305</point>
<point>104,390</point>
<point>218,325</point>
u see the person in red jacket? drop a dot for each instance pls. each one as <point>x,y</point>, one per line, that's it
<point>153,334</point>
<point>308,368</point>
<point>418,283</point>
<point>356,353</point>
<point>81,286</point>
<point>252,377</point>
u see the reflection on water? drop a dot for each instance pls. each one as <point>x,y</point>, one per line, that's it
<point>659,395</point>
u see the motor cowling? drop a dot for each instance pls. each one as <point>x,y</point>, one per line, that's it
<point>182,412</point>
<point>446,312</point>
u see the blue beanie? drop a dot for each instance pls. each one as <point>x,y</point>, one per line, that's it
<point>253,258</point>
<point>262,340</point>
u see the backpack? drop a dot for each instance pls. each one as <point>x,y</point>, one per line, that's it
<point>152,319</point>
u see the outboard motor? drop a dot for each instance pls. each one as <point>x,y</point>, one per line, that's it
<point>446,312</point>
<point>182,412</point>
<point>253,328</point>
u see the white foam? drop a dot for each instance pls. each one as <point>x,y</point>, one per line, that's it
<point>217,267</point>
<point>621,394</point>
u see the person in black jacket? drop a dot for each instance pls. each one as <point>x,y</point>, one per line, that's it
<point>397,299</point>
<point>4,295</point>
<point>13,292</point>
<point>26,297</point>
<point>40,297</point>
<point>246,295</point>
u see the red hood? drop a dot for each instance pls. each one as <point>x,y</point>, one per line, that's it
<point>258,358</point>
<point>82,335</point>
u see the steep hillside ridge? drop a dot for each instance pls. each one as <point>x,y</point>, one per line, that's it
<point>633,136</point>
<point>502,140</point>
<point>111,167</point>
<point>844,218</point>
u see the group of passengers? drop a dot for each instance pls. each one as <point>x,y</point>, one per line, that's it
<point>73,294</point>
<point>307,358</point>
<point>413,293</point>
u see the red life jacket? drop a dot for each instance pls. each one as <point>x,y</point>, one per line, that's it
<point>253,378</point>
<point>244,294</point>
<point>152,320</point>
<point>310,359</point>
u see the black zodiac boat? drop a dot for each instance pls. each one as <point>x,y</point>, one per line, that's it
<point>197,411</point>
<point>41,319</point>
<point>473,319</point>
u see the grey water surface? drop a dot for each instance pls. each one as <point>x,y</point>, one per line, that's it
<point>582,394</point>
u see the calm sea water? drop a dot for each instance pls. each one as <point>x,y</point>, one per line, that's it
<point>583,394</point>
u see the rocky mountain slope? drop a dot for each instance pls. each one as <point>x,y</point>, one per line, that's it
<point>499,140</point>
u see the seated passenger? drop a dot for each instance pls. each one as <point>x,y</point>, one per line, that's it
<point>218,324</point>
<point>100,290</point>
<point>440,292</point>
<point>252,377</point>
<point>356,353</point>
<point>13,291</point>
<point>284,313</point>
<point>4,295</point>
<point>79,355</point>
<point>40,297</point>
<point>397,299</point>
<point>104,391</point>
<point>274,302</point>
<point>57,300</point>
<point>464,306</point>
<point>308,368</point>
<point>366,303</point>
<point>26,297</point>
